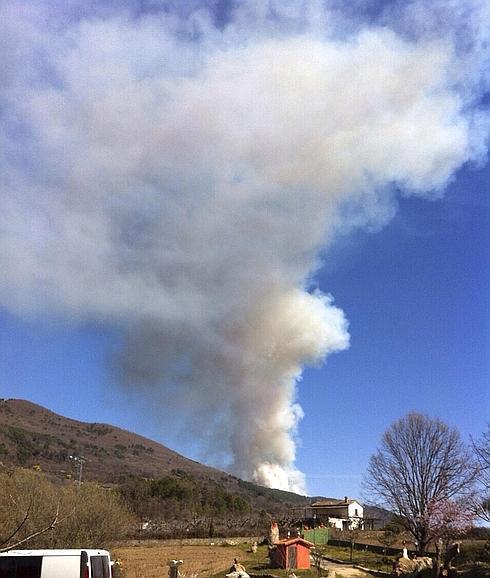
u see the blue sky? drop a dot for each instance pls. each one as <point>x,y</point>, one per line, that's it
<point>211,218</point>
<point>417,294</point>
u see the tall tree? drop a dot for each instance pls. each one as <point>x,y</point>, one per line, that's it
<point>482,453</point>
<point>420,463</point>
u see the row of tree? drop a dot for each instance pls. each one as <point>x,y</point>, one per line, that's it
<point>181,495</point>
<point>434,483</point>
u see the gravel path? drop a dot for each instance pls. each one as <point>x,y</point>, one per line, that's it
<point>344,570</point>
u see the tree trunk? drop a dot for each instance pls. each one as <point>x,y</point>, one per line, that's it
<point>422,542</point>
<point>438,561</point>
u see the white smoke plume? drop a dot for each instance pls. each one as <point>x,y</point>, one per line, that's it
<point>176,177</point>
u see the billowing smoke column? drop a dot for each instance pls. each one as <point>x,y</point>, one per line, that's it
<point>176,178</point>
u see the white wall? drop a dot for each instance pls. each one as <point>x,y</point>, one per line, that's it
<point>355,510</point>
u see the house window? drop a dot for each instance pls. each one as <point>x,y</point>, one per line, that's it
<point>355,512</point>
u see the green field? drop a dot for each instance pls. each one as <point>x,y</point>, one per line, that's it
<point>359,557</point>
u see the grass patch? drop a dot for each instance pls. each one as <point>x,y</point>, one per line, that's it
<point>360,557</point>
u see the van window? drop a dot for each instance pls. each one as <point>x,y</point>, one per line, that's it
<point>100,567</point>
<point>106,567</point>
<point>20,566</point>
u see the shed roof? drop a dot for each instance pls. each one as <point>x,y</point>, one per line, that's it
<point>297,540</point>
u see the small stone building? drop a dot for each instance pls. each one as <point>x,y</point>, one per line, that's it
<point>292,554</point>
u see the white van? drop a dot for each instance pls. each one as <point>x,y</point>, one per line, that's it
<point>55,564</point>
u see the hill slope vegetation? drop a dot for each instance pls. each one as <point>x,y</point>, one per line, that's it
<point>32,436</point>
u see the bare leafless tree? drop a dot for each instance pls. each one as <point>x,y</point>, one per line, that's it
<point>421,461</point>
<point>481,448</point>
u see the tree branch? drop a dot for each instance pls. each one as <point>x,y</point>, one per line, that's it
<point>54,522</point>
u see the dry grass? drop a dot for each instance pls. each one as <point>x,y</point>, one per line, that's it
<point>151,561</point>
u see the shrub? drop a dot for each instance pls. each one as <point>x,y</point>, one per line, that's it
<point>474,552</point>
<point>98,518</point>
<point>89,516</point>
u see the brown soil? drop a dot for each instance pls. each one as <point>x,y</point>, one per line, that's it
<point>151,561</point>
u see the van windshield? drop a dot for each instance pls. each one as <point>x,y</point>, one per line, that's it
<point>20,566</point>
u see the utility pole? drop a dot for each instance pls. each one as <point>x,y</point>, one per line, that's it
<point>79,461</point>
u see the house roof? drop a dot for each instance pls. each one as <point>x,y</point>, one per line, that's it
<point>333,504</point>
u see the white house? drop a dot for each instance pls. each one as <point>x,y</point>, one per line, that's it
<point>342,514</point>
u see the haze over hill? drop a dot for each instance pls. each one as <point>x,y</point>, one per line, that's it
<point>31,435</point>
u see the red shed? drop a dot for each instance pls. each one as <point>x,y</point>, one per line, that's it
<point>293,554</point>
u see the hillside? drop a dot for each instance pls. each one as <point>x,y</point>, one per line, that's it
<point>31,435</point>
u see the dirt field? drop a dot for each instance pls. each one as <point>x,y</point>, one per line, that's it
<point>151,561</point>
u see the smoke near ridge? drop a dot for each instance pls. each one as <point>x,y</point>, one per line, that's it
<point>178,180</point>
